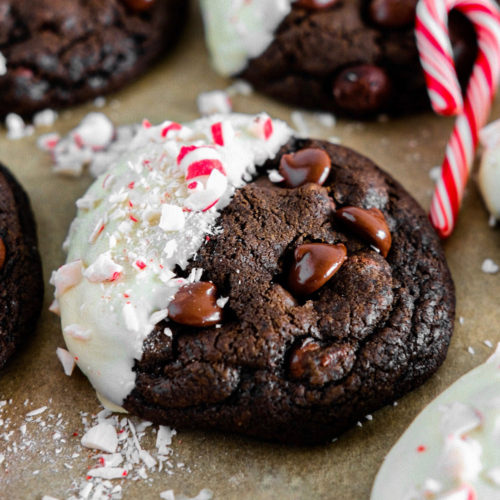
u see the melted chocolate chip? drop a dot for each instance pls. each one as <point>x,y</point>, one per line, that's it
<point>362,89</point>
<point>316,4</point>
<point>3,253</point>
<point>306,165</point>
<point>139,5</point>
<point>320,365</point>
<point>297,361</point>
<point>314,264</point>
<point>195,305</point>
<point>369,225</point>
<point>393,13</point>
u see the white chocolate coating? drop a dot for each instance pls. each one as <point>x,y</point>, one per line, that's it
<point>239,30</point>
<point>135,224</point>
<point>489,171</point>
<point>452,449</point>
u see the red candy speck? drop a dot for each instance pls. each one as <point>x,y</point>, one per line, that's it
<point>217,134</point>
<point>140,264</point>
<point>75,434</point>
<point>131,185</point>
<point>88,478</point>
<point>101,461</point>
<point>132,218</point>
<point>146,123</point>
<point>124,473</point>
<point>115,276</point>
<point>76,358</point>
<point>421,448</point>
<point>268,128</point>
<point>126,295</point>
<point>130,204</point>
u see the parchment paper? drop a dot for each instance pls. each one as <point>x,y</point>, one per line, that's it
<point>232,466</point>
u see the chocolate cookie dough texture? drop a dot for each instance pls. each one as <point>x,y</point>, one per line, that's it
<point>20,267</point>
<point>56,53</point>
<point>357,57</point>
<point>226,275</point>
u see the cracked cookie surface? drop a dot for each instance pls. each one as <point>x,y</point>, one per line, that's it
<point>304,369</point>
<point>60,52</point>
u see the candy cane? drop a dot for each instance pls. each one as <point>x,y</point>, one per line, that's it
<point>436,55</point>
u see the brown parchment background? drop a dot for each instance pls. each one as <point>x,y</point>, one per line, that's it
<point>234,467</point>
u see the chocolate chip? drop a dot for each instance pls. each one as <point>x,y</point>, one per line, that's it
<point>314,264</point>
<point>3,253</point>
<point>393,13</point>
<point>306,165</point>
<point>298,360</point>
<point>195,305</point>
<point>368,224</point>
<point>362,89</point>
<point>316,4</point>
<point>139,5</point>
<point>320,365</point>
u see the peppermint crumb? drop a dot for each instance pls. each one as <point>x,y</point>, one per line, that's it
<point>471,350</point>
<point>369,417</point>
<point>461,320</point>
<point>492,221</point>
<point>488,343</point>
<point>489,267</point>
<point>395,403</point>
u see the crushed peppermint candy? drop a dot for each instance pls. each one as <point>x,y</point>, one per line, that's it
<point>67,360</point>
<point>489,267</point>
<point>16,128</point>
<point>214,102</point>
<point>57,448</point>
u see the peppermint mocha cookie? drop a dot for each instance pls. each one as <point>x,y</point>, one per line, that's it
<point>56,53</point>
<point>20,267</point>
<point>224,274</point>
<point>451,449</point>
<point>357,57</point>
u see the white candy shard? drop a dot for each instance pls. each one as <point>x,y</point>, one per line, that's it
<point>489,267</point>
<point>66,277</point>
<point>108,472</point>
<point>95,131</point>
<point>164,438</point>
<point>78,332</point>
<point>172,218</point>
<point>101,437</point>
<point>3,65</point>
<point>103,269</point>
<point>67,360</point>
<point>211,103</point>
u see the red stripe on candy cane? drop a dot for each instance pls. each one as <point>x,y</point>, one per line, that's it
<point>436,55</point>
<point>217,134</point>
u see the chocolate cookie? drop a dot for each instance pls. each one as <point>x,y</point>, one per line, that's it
<point>198,293</point>
<point>20,267</point>
<point>303,365</point>
<point>56,53</point>
<point>356,57</point>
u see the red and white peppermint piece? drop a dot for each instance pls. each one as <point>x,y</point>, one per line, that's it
<point>168,127</point>
<point>464,492</point>
<point>199,161</point>
<point>95,132</point>
<point>48,142</point>
<point>222,133</point>
<point>66,277</point>
<point>262,127</point>
<point>103,269</point>
<point>77,332</point>
<point>66,359</point>
<point>208,192</point>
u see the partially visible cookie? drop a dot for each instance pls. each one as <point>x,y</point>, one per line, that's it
<point>200,293</point>
<point>356,57</point>
<point>56,53</point>
<point>21,294</point>
<point>450,451</point>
